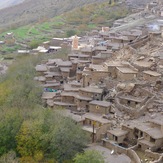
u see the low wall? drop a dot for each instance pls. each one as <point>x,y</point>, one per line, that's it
<point>133,156</point>
<point>160,160</point>
<point>129,152</point>
<point>151,154</point>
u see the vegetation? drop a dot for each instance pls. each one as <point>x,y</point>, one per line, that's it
<point>89,156</point>
<point>31,131</point>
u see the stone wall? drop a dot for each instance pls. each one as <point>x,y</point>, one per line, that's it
<point>151,154</point>
<point>129,152</point>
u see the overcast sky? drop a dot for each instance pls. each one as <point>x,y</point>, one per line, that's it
<point>7,3</point>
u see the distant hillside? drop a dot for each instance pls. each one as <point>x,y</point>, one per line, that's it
<point>77,21</point>
<point>33,10</point>
<point>8,3</point>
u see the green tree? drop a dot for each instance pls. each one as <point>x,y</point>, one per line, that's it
<point>64,138</point>
<point>34,44</point>
<point>89,156</point>
<point>10,122</point>
<point>70,33</point>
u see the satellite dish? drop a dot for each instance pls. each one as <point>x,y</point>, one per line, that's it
<point>112,152</point>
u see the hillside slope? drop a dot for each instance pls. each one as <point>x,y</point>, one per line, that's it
<point>31,11</point>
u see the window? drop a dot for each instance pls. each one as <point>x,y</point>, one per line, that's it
<point>152,139</point>
<point>128,102</point>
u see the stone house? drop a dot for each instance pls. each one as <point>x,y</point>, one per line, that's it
<point>95,126</point>
<point>102,57</point>
<point>118,135</point>
<point>99,49</point>
<point>149,135</point>
<point>94,74</point>
<point>151,75</point>
<point>86,95</point>
<point>126,73</point>
<point>131,101</point>
<point>40,69</point>
<point>100,107</point>
<point>88,51</point>
<point>111,66</point>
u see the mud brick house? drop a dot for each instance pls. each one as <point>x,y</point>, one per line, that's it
<point>131,101</point>
<point>67,100</point>
<point>149,135</point>
<point>126,73</point>
<point>117,135</point>
<point>48,98</point>
<point>88,51</point>
<point>72,56</point>
<point>151,75</point>
<point>50,76</point>
<point>94,74</point>
<point>111,66</point>
<point>95,126</point>
<point>102,57</point>
<point>40,69</point>
<point>88,94</point>
<point>100,107</point>
<point>99,49</point>
<point>98,73</point>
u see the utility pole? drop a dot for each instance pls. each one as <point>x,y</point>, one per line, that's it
<point>93,136</point>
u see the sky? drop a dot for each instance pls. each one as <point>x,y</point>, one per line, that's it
<point>7,3</point>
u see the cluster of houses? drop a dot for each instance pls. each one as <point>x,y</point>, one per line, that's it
<point>111,84</point>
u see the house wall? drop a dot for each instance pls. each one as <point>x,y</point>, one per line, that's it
<point>97,60</point>
<point>101,131</point>
<point>94,96</point>
<point>130,134</point>
<point>99,109</point>
<point>159,143</point>
<point>112,72</point>
<point>98,76</point>
<point>124,77</point>
<point>67,99</point>
<point>90,122</point>
<point>82,103</point>
<point>65,74</point>
<point>129,103</point>
<point>149,77</point>
<point>87,80</point>
<point>118,139</point>
<point>78,76</point>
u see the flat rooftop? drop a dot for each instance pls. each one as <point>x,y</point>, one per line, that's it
<point>152,73</point>
<point>118,132</point>
<point>91,90</point>
<point>100,103</point>
<point>127,70</point>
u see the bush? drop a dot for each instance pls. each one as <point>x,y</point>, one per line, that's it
<point>70,33</point>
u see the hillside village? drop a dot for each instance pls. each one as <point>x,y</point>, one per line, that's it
<point>111,83</point>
